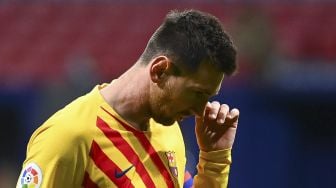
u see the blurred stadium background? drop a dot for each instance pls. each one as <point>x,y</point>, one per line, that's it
<point>53,51</point>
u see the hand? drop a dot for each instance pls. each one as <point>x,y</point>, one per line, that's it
<point>216,130</point>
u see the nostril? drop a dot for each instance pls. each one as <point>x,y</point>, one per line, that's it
<point>198,112</point>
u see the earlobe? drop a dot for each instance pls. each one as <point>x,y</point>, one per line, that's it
<point>158,67</point>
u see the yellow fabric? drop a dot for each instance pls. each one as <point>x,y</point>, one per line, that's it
<point>61,146</point>
<point>213,169</point>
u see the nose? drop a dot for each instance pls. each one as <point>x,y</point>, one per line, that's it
<point>199,109</point>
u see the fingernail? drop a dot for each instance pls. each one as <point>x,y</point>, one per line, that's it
<point>221,121</point>
<point>213,116</point>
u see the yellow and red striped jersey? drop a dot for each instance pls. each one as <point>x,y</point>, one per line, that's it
<point>87,144</point>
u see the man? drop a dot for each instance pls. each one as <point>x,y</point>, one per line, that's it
<point>125,134</point>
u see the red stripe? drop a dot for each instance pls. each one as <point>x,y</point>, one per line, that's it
<point>108,166</point>
<point>124,147</point>
<point>88,183</point>
<point>150,150</point>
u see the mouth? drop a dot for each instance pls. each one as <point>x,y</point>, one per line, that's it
<point>182,116</point>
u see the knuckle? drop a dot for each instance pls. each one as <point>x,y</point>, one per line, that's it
<point>215,106</point>
<point>225,106</point>
<point>215,103</point>
<point>222,113</point>
<point>235,112</point>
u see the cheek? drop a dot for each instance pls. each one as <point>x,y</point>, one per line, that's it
<point>177,98</point>
<point>183,102</point>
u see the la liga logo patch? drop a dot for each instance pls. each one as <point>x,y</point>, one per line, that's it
<point>31,176</point>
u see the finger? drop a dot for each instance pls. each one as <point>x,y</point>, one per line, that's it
<point>207,109</point>
<point>234,114</point>
<point>232,117</point>
<point>223,111</point>
<point>200,120</point>
<point>213,111</point>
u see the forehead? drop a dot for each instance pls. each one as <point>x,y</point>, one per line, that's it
<point>207,76</point>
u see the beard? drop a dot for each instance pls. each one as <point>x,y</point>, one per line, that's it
<point>161,105</point>
<point>162,114</point>
<point>163,119</point>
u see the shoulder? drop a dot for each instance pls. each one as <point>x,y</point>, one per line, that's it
<point>67,131</point>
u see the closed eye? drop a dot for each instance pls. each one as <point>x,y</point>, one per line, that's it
<point>202,94</point>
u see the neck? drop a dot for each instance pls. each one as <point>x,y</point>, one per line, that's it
<point>128,96</point>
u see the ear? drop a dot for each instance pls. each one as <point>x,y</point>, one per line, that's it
<point>159,67</point>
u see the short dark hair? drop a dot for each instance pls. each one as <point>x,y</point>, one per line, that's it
<point>190,37</point>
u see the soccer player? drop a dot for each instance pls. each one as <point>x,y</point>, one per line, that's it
<point>126,133</point>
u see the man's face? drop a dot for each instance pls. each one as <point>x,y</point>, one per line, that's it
<point>185,95</point>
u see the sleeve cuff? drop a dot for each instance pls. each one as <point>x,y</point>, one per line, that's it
<point>214,162</point>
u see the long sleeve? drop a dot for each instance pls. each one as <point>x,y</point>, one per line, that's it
<point>213,169</point>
